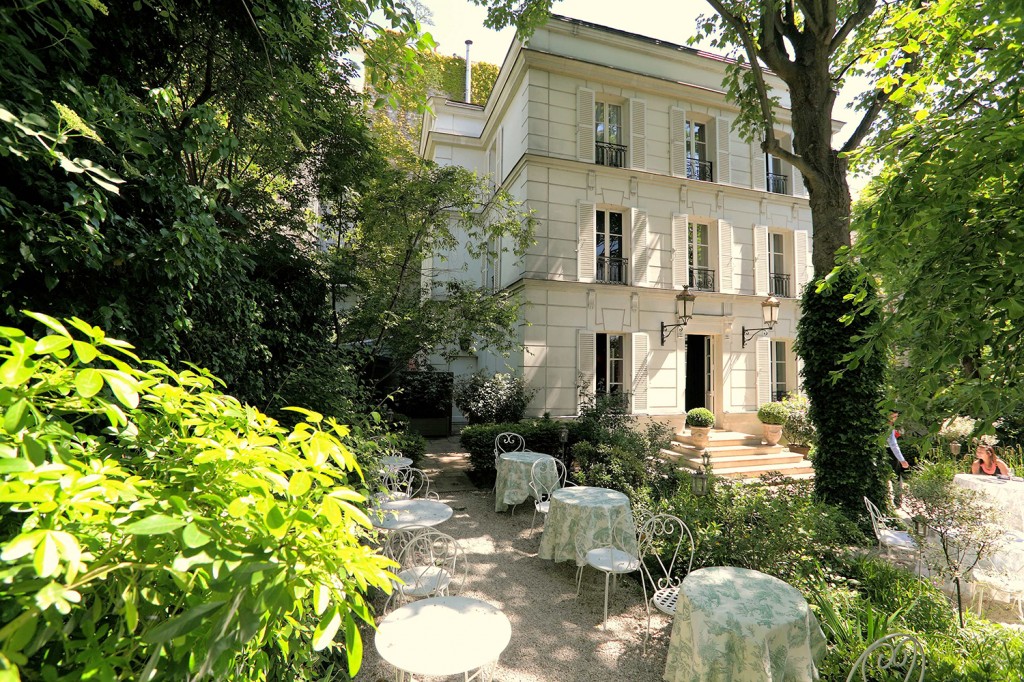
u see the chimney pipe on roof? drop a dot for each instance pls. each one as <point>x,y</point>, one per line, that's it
<point>469,77</point>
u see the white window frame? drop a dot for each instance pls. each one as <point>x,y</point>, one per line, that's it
<point>605,339</point>
<point>697,151</point>
<point>624,236</point>
<point>710,249</point>
<point>780,384</point>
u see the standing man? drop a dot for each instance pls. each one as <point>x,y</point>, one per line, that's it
<point>901,462</point>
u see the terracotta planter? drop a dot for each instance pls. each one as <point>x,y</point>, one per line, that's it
<point>700,436</point>
<point>799,449</point>
<point>772,433</point>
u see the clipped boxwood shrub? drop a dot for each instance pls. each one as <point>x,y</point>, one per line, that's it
<point>773,414</point>
<point>700,417</point>
<point>495,399</point>
<point>541,436</point>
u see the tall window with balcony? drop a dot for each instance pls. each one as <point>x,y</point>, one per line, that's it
<point>610,367</point>
<point>610,244</point>
<point>702,275</point>
<point>779,370</point>
<point>777,181</point>
<point>698,163</point>
<point>778,280</point>
<point>608,135</point>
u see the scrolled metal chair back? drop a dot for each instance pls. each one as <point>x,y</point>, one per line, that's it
<point>546,476</point>
<point>509,442</point>
<point>657,533</point>
<point>899,653</point>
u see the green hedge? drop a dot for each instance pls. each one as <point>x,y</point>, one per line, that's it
<point>541,436</point>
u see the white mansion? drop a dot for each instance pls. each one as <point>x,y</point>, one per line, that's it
<point>622,147</point>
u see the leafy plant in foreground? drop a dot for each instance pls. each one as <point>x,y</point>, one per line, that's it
<point>161,529</point>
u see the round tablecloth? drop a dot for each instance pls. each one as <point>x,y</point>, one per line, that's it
<point>513,484</point>
<point>592,512</point>
<point>1006,496</point>
<point>738,625</point>
<point>398,514</point>
<point>443,636</point>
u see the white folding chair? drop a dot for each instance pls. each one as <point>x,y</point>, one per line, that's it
<point>898,655</point>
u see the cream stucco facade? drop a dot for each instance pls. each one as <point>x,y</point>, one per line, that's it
<point>623,148</point>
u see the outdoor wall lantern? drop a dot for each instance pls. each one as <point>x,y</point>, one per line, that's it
<point>700,480</point>
<point>684,312</point>
<point>563,438</point>
<point>770,314</point>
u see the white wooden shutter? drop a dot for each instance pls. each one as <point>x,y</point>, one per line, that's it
<point>640,254</point>
<point>680,250</point>
<point>586,357</point>
<point>799,190</point>
<point>723,173</point>
<point>500,160</point>
<point>725,284</point>
<point>800,258</point>
<point>641,346</point>
<point>764,371</point>
<point>760,260</point>
<point>586,256</point>
<point>677,141</point>
<point>585,125</point>
<point>638,134</point>
<point>758,168</point>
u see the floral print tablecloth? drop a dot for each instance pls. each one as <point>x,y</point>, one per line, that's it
<point>592,512</point>
<point>737,625</point>
<point>513,484</point>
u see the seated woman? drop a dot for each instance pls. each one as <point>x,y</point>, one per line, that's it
<point>988,464</point>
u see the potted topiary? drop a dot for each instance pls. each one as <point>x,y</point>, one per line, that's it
<point>772,416</point>
<point>700,420</point>
<point>798,430</point>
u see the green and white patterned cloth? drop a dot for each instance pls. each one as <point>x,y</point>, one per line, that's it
<point>592,512</point>
<point>737,625</point>
<point>513,484</point>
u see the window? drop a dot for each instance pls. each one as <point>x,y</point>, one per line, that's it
<point>609,135</point>
<point>698,163</point>
<point>702,275</point>
<point>778,280</point>
<point>610,368</point>
<point>610,245</point>
<point>776,179</point>
<point>779,370</point>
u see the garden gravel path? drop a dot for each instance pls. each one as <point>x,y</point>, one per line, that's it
<point>555,636</point>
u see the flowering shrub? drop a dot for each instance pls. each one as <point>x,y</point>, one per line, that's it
<point>957,429</point>
<point>798,428</point>
<point>487,400</point>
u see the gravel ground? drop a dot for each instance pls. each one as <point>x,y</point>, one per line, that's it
<point>555,636</point>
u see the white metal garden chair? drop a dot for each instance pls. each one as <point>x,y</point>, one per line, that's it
<point>546,476</point>
<point>506,442</point>
<point>890,538</point>
<point>660,542</point>
<point>896,654</point>
<point>993,575</point>
<point>613,559</point>
<point>405,484</point>
<point>431,564</point>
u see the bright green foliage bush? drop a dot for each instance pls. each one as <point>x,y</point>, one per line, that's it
<point>773,414</point>
<point>845,407</point>
<point>489,400</point>
<point>159,527</point>
<point>700,417</point>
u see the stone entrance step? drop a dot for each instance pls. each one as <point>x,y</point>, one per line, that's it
<point>737,456</point>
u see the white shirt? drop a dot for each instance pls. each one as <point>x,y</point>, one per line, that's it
<point>895,447</point>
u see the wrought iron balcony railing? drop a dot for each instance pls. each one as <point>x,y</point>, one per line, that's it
<point>612,270</point>
<point>702,279</point>
<point>777,183</point>
<point>699,170</point>
<point>608,154</point>
<point>779,285</point>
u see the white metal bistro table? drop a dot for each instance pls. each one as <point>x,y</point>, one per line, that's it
<point>582,510</point>
<point>443,636</point>
<point>512,486</point>
<point>395,462</point>
<point>737,625</point>
<point>1007,495</point>
<point>399,514</point>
